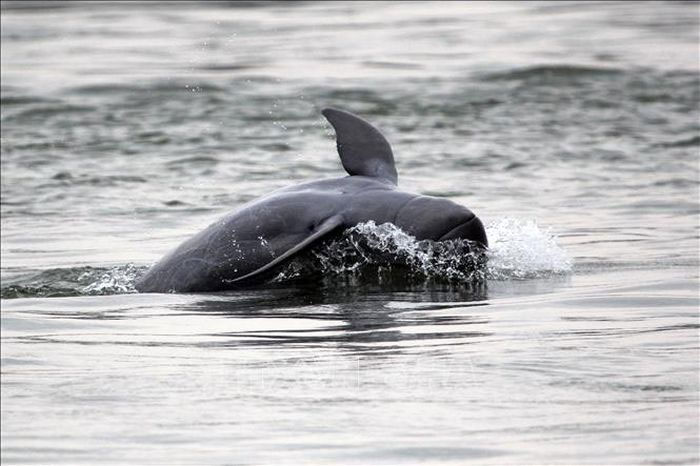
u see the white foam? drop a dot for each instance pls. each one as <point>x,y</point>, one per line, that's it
<point>117,280</point>
<point>521,249</point>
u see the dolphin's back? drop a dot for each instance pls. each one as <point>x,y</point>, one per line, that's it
<point>262,231</point>
<point>238,244</point>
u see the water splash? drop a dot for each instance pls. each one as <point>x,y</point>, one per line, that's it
<point>384,252</point>
<point>369,252</point>
<point>521,249</point>
<point>365,253</point>
<point>117,280</point>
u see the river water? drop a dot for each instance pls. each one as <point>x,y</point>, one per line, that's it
<point>571,129</point>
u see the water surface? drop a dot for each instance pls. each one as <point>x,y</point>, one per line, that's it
<point>571,129</point>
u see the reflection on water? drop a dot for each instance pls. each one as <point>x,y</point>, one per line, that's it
<point>354,319</point>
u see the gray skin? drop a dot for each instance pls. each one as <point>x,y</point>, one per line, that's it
<point>247,244</point>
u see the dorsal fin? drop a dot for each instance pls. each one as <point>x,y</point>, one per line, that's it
<point>362,148</point>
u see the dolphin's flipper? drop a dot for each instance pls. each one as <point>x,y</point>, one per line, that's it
<point>362,148</point>
<point>326,227</point>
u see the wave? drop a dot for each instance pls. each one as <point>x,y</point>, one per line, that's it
<point>385,254</point>
<point>366,253</point>
<point>518,250</point>
<point>552,72</point>
<point>75,281</point>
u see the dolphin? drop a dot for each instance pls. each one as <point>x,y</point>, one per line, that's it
<point>247,245</point>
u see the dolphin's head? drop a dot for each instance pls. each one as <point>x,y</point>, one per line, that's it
<point>438,219</point>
